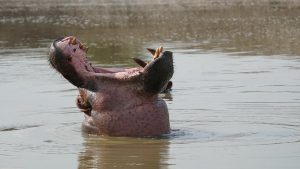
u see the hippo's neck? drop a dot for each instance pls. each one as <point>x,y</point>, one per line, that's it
<point>137,116</point>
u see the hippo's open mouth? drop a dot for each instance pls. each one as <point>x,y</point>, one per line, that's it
<point>117,101</point>
<point>69,56</point>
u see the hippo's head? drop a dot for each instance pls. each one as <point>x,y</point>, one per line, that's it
<point>69,57</point>
<point>117,101</point>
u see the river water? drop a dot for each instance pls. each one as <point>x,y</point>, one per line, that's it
<point>236,96</point>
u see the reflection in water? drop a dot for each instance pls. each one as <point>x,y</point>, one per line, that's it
<point>166,96</point>
<point>107,152</point>
<point>12,128</point>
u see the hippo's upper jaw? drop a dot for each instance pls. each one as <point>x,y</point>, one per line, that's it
<point>117,101</point>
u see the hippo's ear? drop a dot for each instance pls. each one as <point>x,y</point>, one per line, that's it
<point>140,62</point>
<point>158,73</point>
<point>152,51</point>
<point>155,53</point>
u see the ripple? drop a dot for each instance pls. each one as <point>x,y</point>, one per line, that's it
<point>254,72</point>
<point>21,127</point>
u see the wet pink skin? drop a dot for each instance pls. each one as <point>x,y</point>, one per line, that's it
<point>113,99</point>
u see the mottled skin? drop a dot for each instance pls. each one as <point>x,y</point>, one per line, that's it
<point>116,101</point>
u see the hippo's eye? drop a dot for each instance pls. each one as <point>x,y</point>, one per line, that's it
<point>74,50</point>
<point>69,59</point>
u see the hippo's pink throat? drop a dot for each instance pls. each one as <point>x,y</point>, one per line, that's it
<point>116,101</point>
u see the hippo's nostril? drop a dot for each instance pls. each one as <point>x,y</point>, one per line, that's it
<point>69,59</point>
<point>86,68</point>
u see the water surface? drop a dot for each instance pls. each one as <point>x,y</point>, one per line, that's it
<point>236,96</point>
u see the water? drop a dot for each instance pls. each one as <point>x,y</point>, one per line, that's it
<point>235,101</point>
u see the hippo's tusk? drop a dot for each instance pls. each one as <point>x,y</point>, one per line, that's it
<point>157,52</point>
<point>160,49</point>
<point>73,41</point>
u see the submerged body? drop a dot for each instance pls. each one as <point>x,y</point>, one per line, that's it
<point>116,101</point>
<point>145,117</point>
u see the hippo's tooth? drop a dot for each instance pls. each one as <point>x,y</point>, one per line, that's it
<point>73,41</point>
<point>84,47</point>
<point>157,52</point>
<point>161,48</point>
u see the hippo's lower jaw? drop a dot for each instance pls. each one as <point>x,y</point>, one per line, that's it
<point>116,101</point>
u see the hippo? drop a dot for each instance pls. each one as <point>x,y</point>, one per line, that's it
<point>117,101</point>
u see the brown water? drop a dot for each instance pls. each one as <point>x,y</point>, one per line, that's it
<point>236,96</point>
